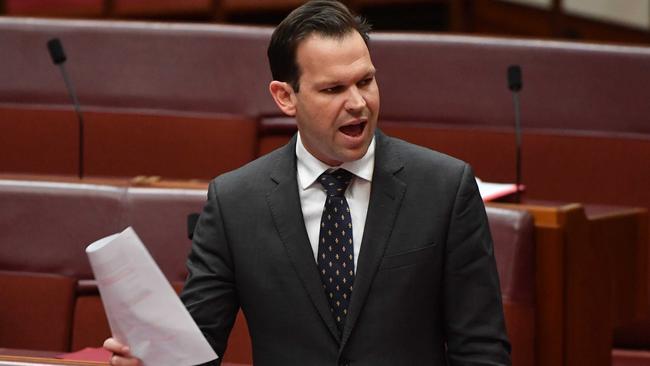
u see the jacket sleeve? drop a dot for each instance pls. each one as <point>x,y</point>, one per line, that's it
<point>474,320</point>
<point>209,293</point>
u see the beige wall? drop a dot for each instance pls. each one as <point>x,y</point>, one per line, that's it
<point>634,13</point>
<point>631,13</point>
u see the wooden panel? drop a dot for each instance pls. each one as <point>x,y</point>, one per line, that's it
<point>499,17</point>
<point>56,8</point>
<point>271,142</point>
<point>520,323</point>
<point>177,147</point>
<point>496,17</point>
<point>591,275</point>
<point>596,169</point>
<point>623,239</point>
<point>11,360</point>
<point>589,297</point>
<point>490,152</point>
<point>38,141</point>
<point>32,301</point>
<point>229,6</point>
<point>90,327</point>
<point>160,7</point>
<point>550,317</point>
<point>579,28</point>
<point>605,168</point>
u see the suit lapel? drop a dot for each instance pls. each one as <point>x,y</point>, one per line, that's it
<point>385,198</point>
<point>284,203</point>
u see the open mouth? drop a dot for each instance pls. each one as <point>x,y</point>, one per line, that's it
<point>353,130</point>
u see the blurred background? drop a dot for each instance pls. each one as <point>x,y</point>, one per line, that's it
<point>622,21</point>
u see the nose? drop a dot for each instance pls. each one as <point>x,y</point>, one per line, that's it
<point>355,101</point>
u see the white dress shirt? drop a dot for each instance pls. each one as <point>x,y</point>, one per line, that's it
<point>312,194</point>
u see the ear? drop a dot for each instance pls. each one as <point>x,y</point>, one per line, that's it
<point>284,97</point>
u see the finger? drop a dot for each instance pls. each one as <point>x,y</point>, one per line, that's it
<point>112,345</point>
<point>124,361</point>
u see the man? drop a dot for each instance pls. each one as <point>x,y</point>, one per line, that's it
<point>345,246</point>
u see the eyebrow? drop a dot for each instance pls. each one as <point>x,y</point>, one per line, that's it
<point>324,83</point>
<point>370,73</point>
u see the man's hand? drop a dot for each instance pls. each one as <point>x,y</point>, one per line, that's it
<point>121,354</point>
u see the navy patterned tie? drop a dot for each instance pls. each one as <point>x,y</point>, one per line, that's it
<point>335,249</point>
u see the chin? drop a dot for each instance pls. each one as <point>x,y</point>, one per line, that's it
<point>354,155</point>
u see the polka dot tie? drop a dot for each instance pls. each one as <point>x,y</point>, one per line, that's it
<point>335,249</point>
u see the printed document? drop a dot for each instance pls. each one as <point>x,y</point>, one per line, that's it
<point>143,309</point>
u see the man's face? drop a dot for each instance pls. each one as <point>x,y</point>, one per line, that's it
<point>337,105</point>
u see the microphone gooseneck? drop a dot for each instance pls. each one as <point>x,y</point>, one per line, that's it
<point>55,48</point>
<point>515,84</point>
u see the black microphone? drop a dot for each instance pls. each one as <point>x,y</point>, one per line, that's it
<point>515,84</point>
<point>55,49</point>
<point>514,78</point>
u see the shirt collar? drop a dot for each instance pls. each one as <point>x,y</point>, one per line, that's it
<point>310,168</point>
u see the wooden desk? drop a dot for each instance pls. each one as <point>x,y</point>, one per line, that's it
<point>16,357</point>
<point>591,275</point>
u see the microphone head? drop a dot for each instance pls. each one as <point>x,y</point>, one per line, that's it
<point>514,78</point>
<point>55,48</point>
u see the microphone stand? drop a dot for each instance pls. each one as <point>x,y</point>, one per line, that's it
<point>515,98</point>
<point>77,108</point>
<point>515,84</point>
<point>55,49</point>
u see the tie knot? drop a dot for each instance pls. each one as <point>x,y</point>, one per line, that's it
<point>336,182</point>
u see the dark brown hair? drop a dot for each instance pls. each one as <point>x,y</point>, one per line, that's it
<point>323,17</point>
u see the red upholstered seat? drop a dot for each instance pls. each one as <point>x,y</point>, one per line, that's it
<point>159,216</point>
<point>46,226</point>
<point>514,249</point>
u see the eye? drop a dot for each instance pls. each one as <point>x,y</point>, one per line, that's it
<point>333,90</point>
<point>365,81</point>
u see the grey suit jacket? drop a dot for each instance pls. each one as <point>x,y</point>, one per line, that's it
<point>426,290</point>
